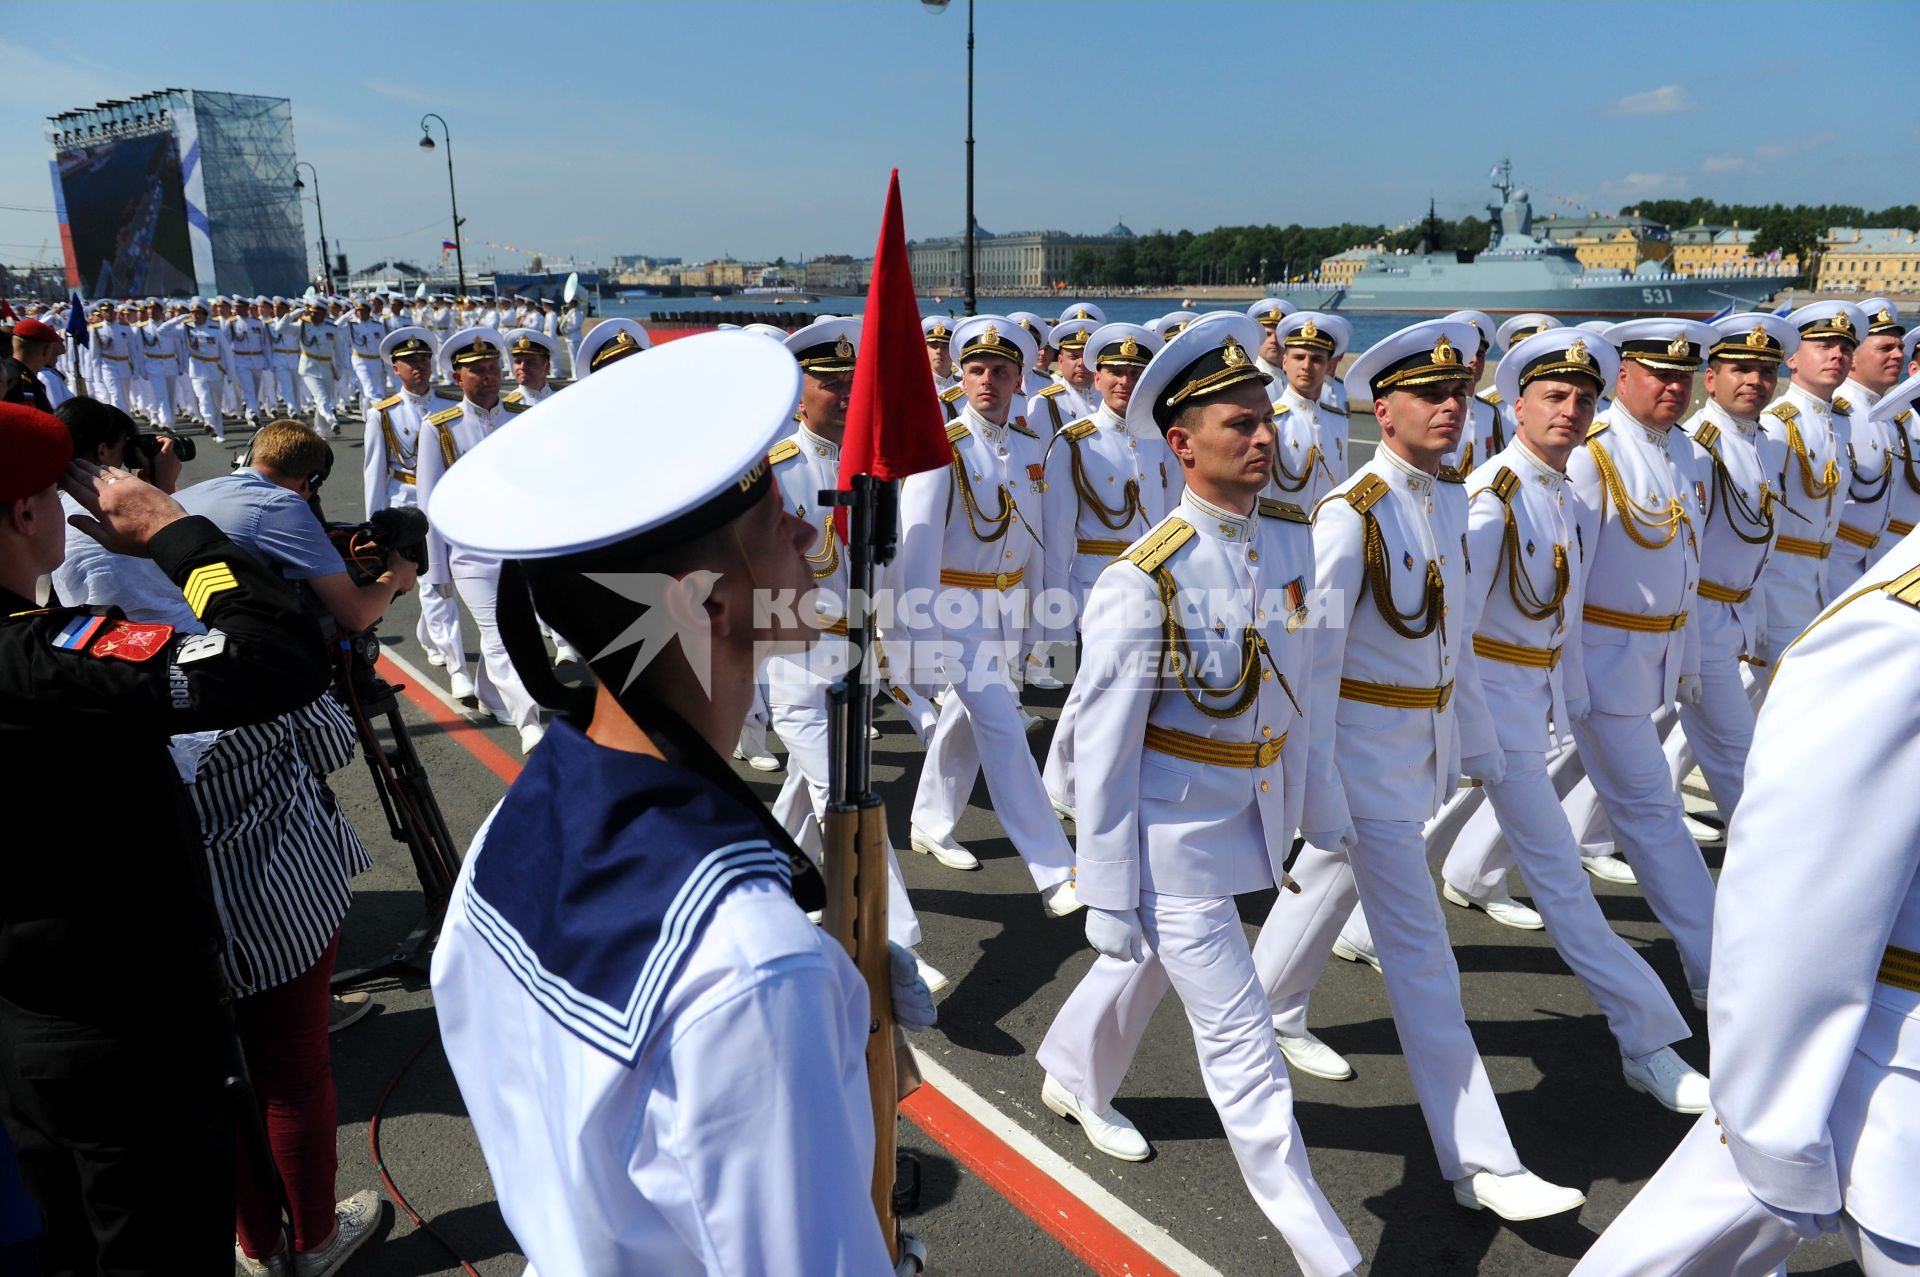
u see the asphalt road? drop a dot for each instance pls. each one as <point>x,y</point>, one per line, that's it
<point>1546,1048</point>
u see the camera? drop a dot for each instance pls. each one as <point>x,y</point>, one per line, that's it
<point>363,547</point>
<point>148,447</point>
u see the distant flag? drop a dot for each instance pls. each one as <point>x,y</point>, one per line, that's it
<point>1494,171</point>
<point>77,320</point>
<point>1784,309</point>
<point>1720,314</point>
<point>6,309</point>
<point>448,246</point>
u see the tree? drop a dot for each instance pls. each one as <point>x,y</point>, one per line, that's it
<point>1795,234</point>
<point>1120,268</point>
<point>1084,267</point>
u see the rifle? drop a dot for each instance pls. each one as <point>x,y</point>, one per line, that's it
<point>856,847</point>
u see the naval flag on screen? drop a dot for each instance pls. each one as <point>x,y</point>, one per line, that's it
<point>894,424</point>
<point>77,321</point>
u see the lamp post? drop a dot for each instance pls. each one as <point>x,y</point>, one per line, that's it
<point>326,267</point>
<point>967,275</point>
<point>426,144</point>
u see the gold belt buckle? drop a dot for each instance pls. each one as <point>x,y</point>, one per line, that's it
<point>1269,751</point>
<point>1000,580</point>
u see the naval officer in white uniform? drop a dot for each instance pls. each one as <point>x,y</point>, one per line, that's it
<point>1815,1125</point>
<point>531,353</point>
<point>663,1059</point>
<point>609,341</point>
<point>1193,780</point>
<point>1310,458</point>
<point>1876,367</point>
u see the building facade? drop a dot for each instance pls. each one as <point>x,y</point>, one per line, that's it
<point>1340,269</point>
<point>1027,260</point>
<point>1870,260</point>
<point>1609,243</point>
<point>1707,249</point>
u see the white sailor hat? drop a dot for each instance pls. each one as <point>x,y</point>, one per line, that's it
<point>1883,317</point>
<point>1434,351</point>
<point>473,345</point>
<point>1896,401</point>
<point>1036,327</point>
<point>1169,325</point>
<point>1556,353</point>
<point>1482,322</point>
<point>402,342</point>
<point>530,341</point>
<point>1599,326</point>
<point>198,306</point>
<point>1084,310</point>
<point>1120,346</point>
<point>1830,321</point>
<point>1521,327</point>
<point>608,340</point>
<point>826,347</point>
<point>1911,343</point>
<point>1315,330</point>
<point>998,335</point>
<point>523,494</point>
<point>1213,353</point>
<point>1071,334</point>
<point>773,330</point>
<point>1671,345</point>
<point>1269,311</point>
<point>1759,337</point>
<point>936,329</point>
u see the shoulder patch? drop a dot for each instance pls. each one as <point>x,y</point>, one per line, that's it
<point>131,641</point>
<point>957,431</point>
<point>512,396</point>
<point>785,450</point>
<point>1019,426</point>
<point>1599,428</point>
<point>1275,509</point>
<point>1841,405</point>
<point>1055,389</point>
<point>445,415</point>
<point>1282,409</point>
<point>1335,409</point>
<point>952,394</point>
<point>206,581</point>
<point>514,406</point>
<point>1707,435</point>
<point>391,400</point>
<point>1785,411</point>
<point>1504,485</point>
<point>1490,396</point>
<point>1364,495</point>
<point>1905,589</point>
<point>1451,474</point>
<point>1158,545</point>
<point>446,392</point>
<point>1080,430</point>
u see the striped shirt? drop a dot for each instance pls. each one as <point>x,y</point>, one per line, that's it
<point>279,848</point>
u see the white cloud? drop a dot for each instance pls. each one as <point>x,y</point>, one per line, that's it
<point>1643,185</point>
<point>1729,166</point>
<point>1668,99</point>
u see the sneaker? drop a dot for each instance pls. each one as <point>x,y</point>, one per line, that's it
<point>1308,1054</point>
<point>1668,1079</point>
<point>353,1223</point>
<point>1348,951</point>
<point>1609,869</point>
<point>1501,907</point>
<point>347,1008</point>
<point>952,855</point>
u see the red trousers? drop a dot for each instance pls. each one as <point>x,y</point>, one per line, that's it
<point>284,1032</point>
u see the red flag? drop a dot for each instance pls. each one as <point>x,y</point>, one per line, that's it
<point>894,423</point>
<point>6,311</point>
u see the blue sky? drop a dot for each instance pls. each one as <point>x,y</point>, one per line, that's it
<point>766,128</point>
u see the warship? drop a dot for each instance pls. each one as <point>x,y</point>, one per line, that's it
<point>1520,272</point>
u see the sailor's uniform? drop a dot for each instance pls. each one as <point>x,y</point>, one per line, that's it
<point>1813,435</point>
<point>369,370</point>
<point>319,369</point>
<point>208,360</point>
<point>1310,448</point>
<point>113,353</point>
<point>1863,519</point>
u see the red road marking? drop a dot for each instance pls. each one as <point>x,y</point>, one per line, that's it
<point>1034,1193</point>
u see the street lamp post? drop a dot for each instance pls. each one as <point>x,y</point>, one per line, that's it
<point>326,266</point>
<point>426,143</point>
<point>967,274</point>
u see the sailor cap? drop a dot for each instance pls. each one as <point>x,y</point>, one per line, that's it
<point>1315,330</point>
<point>773,330</point>
<point>1269,311</point>
<point>826,347</point>
<point>1830,321</point>
<point>1883,317</point>
<point>523,494</point>
<point>1071,334</point>
<point>472,346</point>
<point>1438,350</point>
<point>1521,327</point>
<point>1036,327</point>
<point>1483,323</point>
<point>1911,343</point>
<point>1212,354</point>
<point>1084,310</point>
<point>936,329</point>
<point>530,341</point>
<point>1759,337</point>
<point>1169,325</point>
<point>1556,353</point>
<point>610,340</point>
<point>1671,345</point>
<point>1896,401</point>
<point>1001,336</point>
<point>1121,346</point>
<point>404,342</point>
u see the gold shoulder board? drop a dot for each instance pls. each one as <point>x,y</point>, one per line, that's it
<point>956,432</point>
<point>1504,485</point>
<point>1599,428</point>
<point>1905,589</point>
<point>1019,425</point>
<point>447,392</point>
<point>1158,545</point>
<point>1785,411</point>
<point>386,403</point>
<point>1903,418</point>
<point>1451,474</point>
<point>1080,430</point>
<point>512,396</point>
<point>514,406</point>
<point>952,393</point>
<point>1364,495</point>
<point>1281,409</point>
<point>1707,435</point>
<point>785,450</point>
<point>1490,396</point>
<point>445,415</point>
<point>1841,405</point>
<point>1334,409</point>
<point>1050,391</point>
<point>1276,509</point>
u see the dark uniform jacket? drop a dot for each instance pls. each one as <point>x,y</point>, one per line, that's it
<point>100,919</point>
<point>22,385</point>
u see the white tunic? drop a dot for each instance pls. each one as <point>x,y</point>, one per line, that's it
<point>805,464</point>
<point>1812,485</point>
<point>390,472</point>
<point>1106,485</point>
<point>1310,448</point>
<point>447,436</point>
<point>1870,457</point>
<point>1736,536</point>
<point>1903,512</point>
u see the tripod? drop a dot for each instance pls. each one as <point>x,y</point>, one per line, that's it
<point>406,796</point>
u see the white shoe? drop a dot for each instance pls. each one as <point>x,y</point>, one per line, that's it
<point>1522,1195</point>
<point>460,685</point>
<point>563,654</point>
<point>1108,1131</point>
<point>1699,997</point>
<point>933,977</point>
<point>1610,869</point>
<point>354,1221</point>
<point>759,762</point>
<point>1669,1079</point>
<point>530,736</point>
<point>1063,811</point>
<point>1351,952</point>
<point>1503,908</point>
<point>434,657</point>
<point>1701,831</point>
<point>1061,899</point>
<point>1031,722</point>
<point>953,855</point>
<point>1045,682</point>
<point>1309,1054</point>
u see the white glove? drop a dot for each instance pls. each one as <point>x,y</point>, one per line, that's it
<point>1762,646</point>
<point>1346,838</point>
<point>913,1008</point>
<point>1116,933</point>
<point>1578,708</point>
<point>1489,768</point>
<point>444,590</point>
<point>1689,691</point>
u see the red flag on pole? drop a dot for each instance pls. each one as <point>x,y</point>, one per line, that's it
<point>894,423</point>
<point>6,310</point>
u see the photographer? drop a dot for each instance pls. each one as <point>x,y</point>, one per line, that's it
<point>109,1077</point>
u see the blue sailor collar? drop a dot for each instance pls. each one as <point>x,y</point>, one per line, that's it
<point>596,876</point>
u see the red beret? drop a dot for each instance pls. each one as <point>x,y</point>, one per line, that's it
<point>35,450</point>
<point>34,330</point>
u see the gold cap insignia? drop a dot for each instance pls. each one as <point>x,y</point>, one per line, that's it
<point>1841,323</point>
<point>1129,349</point>
<point>1176,330</point>
<point>1884,316</point>
<point>1080,312</point>
<point>843,348</point>
<point>1679,346</point>
<point>1444,353</point>
<point>1758,338</point>
<point>1232,355</point>
<point>1309,329</point>
<point>1577,353</point>
<point>991,337</point>
<point>938,332</point>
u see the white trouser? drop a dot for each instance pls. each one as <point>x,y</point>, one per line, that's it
<point>112,383</point>
<point>206,392</point>
<point>161,405</point>
<point>264,381</point>
<point>1197,945</point>
<point>287,380</point>
<point>372,376</point>
<point>1715,734</point>
<point>1629,774</point>
<point>1695,1218</point>
<point>1389,873</point>
<point>1846,565</point>
<point>801,807</point>
<point>980,730</point>
<point>242,384</point>
<point>496,684</point>
<point>320,391</point>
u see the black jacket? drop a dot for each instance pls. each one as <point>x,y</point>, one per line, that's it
<point>22,385</point>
